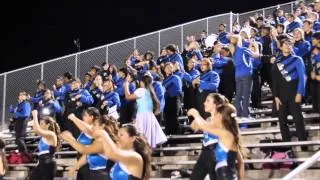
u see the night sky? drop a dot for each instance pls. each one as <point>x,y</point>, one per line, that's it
<point>34,31</point>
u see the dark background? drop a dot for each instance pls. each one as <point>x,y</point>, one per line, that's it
<point>36,31</point>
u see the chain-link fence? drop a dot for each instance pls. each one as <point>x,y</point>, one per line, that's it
<point>116,53</point>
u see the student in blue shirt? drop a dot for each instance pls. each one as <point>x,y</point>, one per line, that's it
<point>21,116</point>
<point>96,159</point>
<point>307,28</point>
<point>59,91</point>
<point>109,97</point>
<point>173,85</point>
<point>41,87</point>
<point>160,92</point>
<point>174,56</point>
<point>188,77</point>
<point>243,74</point>
<point>256,80</point>
<point>207,83</point>
<point>315,80</point>
<point>223,35</point>
<point>289,88</point>
<point>96,91</point>
<point>293,24</point>
<point>48,106</point>
<point>87,81</point>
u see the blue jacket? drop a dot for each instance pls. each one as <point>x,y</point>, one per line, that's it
<point>96,95</point>
<point>163,59</point>
<point>293,67</point>
<point>60,93</point>
<point>160,91</point>
<point>86,97</point>
<point>219,63</point>
<point>53,107</point>
<point>88,85</point>
<point>112,98</point>
<point>173,85</point>
<point>132,88</point>
<point>302,48</point>
<point>190,76</point>
<point>242,61</point>
<point>209,81</point>
<point>23,110</point>
<point>120,89</point>
<point>179,73</point>
<point>292,26</point>
<point>198,53</point>
<point>245,43</point>
<point>37,98</point>
<point>177,58</point>
<point>223,38</point>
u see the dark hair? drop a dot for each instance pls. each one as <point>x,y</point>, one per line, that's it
<point>228,112</point>
<point>218,99</point>
<point>3,155</point>
<point>142,147</point>
<point>112,68</point>
<point>94,112</point>
<point>110,126</point>
<point>308,21</point>
<point>150,53</point>
<point>147,80</point>
<point>41,82</point>
<point>124,70</point>
<point>227,49</point>
<point>96,67</point>
<point>107,80</point>
<point>172,48</point>
<point>67,75</point>
<point>284,41</point>
<point>54,127</point>
<point>280,25</point>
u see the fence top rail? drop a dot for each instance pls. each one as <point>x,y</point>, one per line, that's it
<point>267,8</point>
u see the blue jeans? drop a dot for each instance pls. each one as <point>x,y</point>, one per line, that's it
<point>243,93</point>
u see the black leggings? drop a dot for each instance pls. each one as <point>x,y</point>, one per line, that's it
<point>83,173</point>
<point>205,164</point>
<point>98,175</point>
<point>20,129</point>
<point>226,173</point>
<point>46,170</point>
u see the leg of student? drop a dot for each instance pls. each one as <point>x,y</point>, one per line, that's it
<point>20,129</point>
<point>283,122</point>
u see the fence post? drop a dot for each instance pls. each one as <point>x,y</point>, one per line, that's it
<point>263,12</point>
<point>292,7</point>
<point>76,66</point>
<point>4,100</point>
<point>41,71</point>
<point>238,17</point>
<point>181,47</point>
<point>107,54</point>
<point>207,26</point>
<point>159,44</point>
<point>230,21</point>
<point>134,43</point>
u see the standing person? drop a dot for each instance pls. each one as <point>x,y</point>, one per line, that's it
<point>207,160</point>
<point>85,138</point>
<point>173,85</point>
<point>243,74</point>
<point>227,150</point>
<point>41,88</point>
<point>109,98</point>
<point>228,82</point>
<point>160,92</point>
<point>207,83</point>
<point>128,108</point>
<point>315,80</point>
<point>174,56</point>
<point>49,142</point>
<point>48,106</point>
<point>132,154</point>
<point>147,107</point>
<point>98,163</point>
<point>96,90</point>
<point>21,116</point>
<point>188,90</point>
<point>3,160</point>
<point>75,102</point>
<point>256,80</point>
<point>223,35</point>
<point>87,81</point>
<point>289,88</point>
<point>59,91</point>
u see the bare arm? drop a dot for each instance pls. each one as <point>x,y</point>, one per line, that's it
<point>84,127</point>
<point>2,170</point>
<point>127,92</point>
<point>241,170</point>
<point>95,147</point>
<point>41,132</point>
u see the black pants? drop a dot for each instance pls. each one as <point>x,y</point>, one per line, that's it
<point>20,129</point>
<point>128,112</point>
<point>256,90</point>
<point>98,175</point>
<point>188,100</point>
<point>295,108</point>
<point>226,173</point>
<point>201,97</point>
<point>83,173</point>
<point>171,114</point>
<point>46,170</point>
<point>205,164</point>
<point>160,118</point>
<point>315,94</point>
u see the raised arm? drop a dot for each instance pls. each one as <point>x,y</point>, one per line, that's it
<point>38,130</point>
<point>84,127</point>
<point>127,93</point>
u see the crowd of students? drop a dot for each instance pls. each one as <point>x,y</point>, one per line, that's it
<point>281,50</point>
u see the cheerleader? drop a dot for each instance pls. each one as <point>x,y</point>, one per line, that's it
<point>48,130</point>
<point>227,150</point>
<point>132,154</point>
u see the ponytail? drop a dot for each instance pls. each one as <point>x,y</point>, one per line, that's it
<point>147,80</point>
<point>54,127</point>
<point>110,126</point>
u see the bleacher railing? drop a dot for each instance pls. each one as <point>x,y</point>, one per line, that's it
<point>115,53</point>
